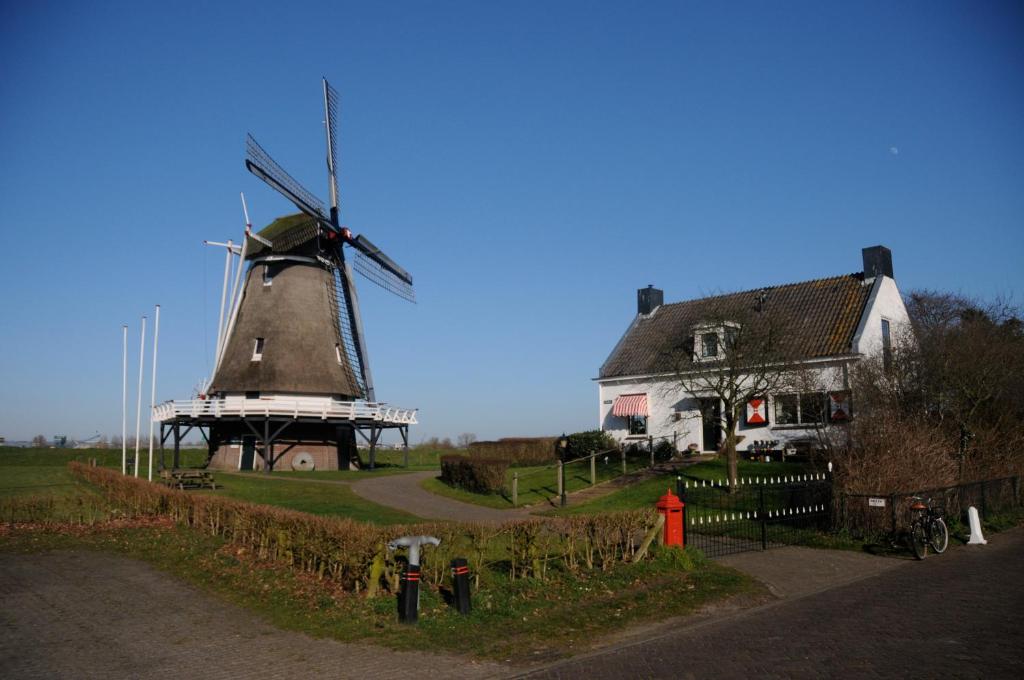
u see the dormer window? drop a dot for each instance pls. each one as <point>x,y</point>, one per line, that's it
<point>711,342</point>
<point>709,345</point>
<point>257,350</point>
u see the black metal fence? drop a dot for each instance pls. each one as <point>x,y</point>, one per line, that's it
<point>755,513</point>
<point>864,515</point>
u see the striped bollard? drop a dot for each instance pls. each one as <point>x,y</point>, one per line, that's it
<point>460,585</point>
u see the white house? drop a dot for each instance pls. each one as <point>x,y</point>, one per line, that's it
<point>841,319</point>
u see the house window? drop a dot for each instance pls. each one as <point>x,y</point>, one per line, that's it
<point>731,335</point>
<point>637,424</point>
<point>337,352</point>
<point>786,409</point>
<point>800,409</point>
<point>269,272</point>
<point>709,345</point>
<point>812,408</point>
<point>886,346</point>
<point>257,350</point>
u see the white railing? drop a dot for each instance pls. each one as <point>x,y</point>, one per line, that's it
<point>276,406</point>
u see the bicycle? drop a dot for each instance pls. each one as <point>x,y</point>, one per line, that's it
<point>927,528</point>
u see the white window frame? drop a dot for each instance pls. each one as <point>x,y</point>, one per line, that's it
<point>257,349</point>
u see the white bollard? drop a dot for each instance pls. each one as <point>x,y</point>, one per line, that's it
<point>975,521</point>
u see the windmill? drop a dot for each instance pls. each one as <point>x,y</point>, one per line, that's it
<point>291,364</point>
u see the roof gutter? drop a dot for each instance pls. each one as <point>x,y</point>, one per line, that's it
<point>671,374</point>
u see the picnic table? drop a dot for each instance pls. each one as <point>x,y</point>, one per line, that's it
<point>188,479</point>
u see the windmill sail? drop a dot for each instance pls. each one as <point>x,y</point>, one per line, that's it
<point>371,269</point>
<point>331,109</point>
<point>260,163</point>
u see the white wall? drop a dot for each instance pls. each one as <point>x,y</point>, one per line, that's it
<point>885,303</point>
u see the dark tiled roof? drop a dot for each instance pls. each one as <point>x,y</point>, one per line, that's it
<point>823,316</point>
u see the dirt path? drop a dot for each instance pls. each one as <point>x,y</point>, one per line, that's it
<point>405,493</point>
<point>96,615</point>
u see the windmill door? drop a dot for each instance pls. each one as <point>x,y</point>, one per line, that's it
<point>711,423</point>
<point>248,453</point>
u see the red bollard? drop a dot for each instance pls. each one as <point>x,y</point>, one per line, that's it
<point>671,508</point>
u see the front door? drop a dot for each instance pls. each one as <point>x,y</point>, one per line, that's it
<point>711,423</point>
<point>248,453</point>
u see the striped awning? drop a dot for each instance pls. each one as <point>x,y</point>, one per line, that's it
<point>630,405</point>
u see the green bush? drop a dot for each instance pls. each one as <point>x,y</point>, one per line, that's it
<point>585,443</point>
<point>475,474</point>
<point>517,451</point>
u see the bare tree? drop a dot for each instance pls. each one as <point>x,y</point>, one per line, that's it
<point>465,439</point>
<point>735,351</point>
<point>39,441</point>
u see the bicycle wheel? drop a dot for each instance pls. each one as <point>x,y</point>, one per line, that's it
<point>918,539</point>
<point>938,535</point>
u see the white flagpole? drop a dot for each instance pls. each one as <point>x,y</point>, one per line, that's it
<point>152,393</point>
<point>124,399</point>
<point>138,400</point>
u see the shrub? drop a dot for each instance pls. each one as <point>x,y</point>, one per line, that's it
<point>475,474</point>
<point>517,451</point>
<point>585,443</point>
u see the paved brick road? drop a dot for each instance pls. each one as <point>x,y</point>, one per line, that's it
<point>94,615</point>
<point>959,615</point>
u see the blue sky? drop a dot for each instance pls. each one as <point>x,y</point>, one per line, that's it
<point>532,165</point>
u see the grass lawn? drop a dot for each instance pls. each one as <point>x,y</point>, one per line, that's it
<point>38,481</point>
<point>317,499</point>
<point>646,493</point>
<point>519,621</point>
<point>537,484</point>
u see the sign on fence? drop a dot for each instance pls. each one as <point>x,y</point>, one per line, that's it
<point>876,502</point>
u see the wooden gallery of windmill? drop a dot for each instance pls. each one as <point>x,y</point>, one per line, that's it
<point>291,386</point>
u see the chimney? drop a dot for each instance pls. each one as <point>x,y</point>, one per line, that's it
<point>648,299</point>
<point>877,262</point>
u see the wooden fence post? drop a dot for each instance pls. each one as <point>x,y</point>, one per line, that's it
<point>593,469</point>
<point>515,489</point>
<point>622,450</point>
<point>650,447</point>
<point>561,478</point>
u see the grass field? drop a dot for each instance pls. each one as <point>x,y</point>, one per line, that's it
<point>39,475</point>
<point>44,473</point>
<point>305,495</point>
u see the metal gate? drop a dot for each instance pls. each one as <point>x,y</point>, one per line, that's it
<point>757,513</point>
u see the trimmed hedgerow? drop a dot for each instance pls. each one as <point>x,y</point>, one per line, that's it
<point>517,451</point>
<point>478,475</point>
<point>354,553</point>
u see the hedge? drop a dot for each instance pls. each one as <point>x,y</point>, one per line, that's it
<point>354,553</point>
<point>520,451</point>
<point>478,475</point>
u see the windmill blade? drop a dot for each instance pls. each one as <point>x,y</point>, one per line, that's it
<point>363,245</point>
<point>266,168</point>
<point>331,111</point>
<point>374,271</point>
